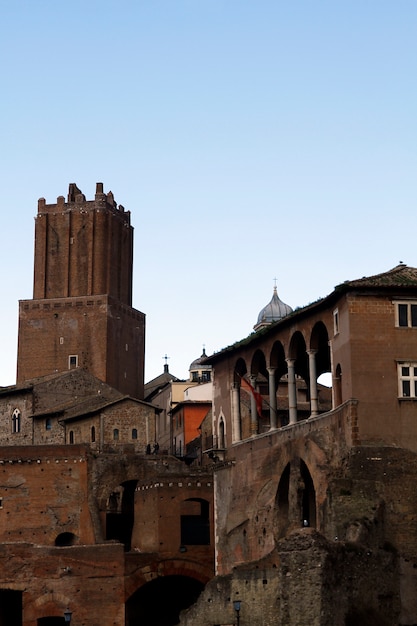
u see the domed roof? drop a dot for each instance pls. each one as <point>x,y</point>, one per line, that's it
<point>198,364</point>
<point>273,311</point>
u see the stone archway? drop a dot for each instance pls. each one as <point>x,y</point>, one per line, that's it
<point>160,601</point>
<point>295,501</point>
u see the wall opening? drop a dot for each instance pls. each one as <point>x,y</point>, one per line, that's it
<point>159,602</point>
<point>65,539</point>
<point>120,513</point>
<point>195,523</point>
<point>308,498</point>
<point>10,607</point>
<point>282,502</point>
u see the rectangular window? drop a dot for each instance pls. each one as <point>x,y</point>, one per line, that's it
<point>406,314</point>
<point>72,361</point>
<point>407,380</point>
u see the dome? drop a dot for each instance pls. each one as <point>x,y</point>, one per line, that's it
<point>198,363</point>
<point>200,372</point>
<point>273,311</point>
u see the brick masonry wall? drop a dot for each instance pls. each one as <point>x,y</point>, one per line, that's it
<point>44,493</point>
<point>106,338</point>
<point>89,580</point>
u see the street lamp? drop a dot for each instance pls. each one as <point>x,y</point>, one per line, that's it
<point>67,616</point>
<point>236,606</point>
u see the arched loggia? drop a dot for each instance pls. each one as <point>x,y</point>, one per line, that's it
<point>319,362</point>
<point>258,380</point>
<point>239,411</point>
<point>298,376</point>
<point>277,387</point>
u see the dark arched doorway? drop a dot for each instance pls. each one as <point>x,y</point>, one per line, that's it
<point>159,602</point>
<point>308,497</point>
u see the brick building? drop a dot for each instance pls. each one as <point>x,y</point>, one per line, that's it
<point>316,514</point>
<point>305,511</point>
<point>81,313</point>
<point>88,521</point>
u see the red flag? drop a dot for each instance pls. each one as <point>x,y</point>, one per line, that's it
<point>258,398</point>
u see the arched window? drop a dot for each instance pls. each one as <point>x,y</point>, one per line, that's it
<point>338,386</point>
<point>65,539</point>
<point>222,443</point>
<point>71,436</point>
<point>16,421</point>
<point>93,434</point>
<point>134,433</point>
<point>116,434</point>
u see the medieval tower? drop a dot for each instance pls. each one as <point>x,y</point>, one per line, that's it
<point>81,313</point>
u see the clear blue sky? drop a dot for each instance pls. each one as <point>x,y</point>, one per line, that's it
<point>250,139</point>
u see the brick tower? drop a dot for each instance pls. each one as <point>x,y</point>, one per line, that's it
<point>81,314</point>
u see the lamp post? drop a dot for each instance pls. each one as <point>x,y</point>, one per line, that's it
<point>67,616</point>
<point>236,606</point>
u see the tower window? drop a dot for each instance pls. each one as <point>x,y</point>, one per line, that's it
<point>71,436</point>
<point>48,423</point>
<point>406,314</point>
<point>93,434</point>
<point>134,433</point>
<point>72,361</point>
<point>407,380</point>
<point>116,434</point>
<point>16,421</point>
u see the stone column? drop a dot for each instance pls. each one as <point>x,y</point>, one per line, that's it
<point>253,409</point>
<point>272,399</point>
<point>314,402</point>
<point>333,374</point>
<point>292,391</point>
<point>235,399</point>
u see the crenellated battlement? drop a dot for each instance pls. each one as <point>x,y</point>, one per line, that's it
<point>76,202</point>
<point>82,294</point>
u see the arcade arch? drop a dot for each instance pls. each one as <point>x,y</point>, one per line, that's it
<point>160,601</point>
<point>295,501</point>
<point>272,390</point>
